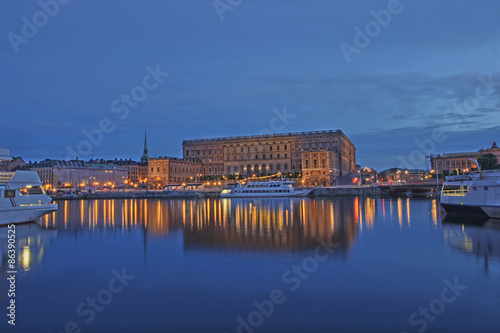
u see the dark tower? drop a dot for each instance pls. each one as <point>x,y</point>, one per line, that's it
<point>145,155</point>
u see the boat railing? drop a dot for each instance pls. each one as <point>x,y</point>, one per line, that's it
<point>6,176</point>
<point>462,191</point>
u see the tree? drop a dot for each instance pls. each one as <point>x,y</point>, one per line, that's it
<point>488,162</point>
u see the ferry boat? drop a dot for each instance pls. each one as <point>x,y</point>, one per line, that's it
<point>475,194</point>
<point>273,188</point>
<point>22,196</point>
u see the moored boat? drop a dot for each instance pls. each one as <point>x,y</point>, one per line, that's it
<point>22,196</point>
<point>272,188</point>
<point>476,194</point>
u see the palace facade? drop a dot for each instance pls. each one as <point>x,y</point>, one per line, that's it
<point>321,156</point>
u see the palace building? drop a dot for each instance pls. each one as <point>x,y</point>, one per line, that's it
<point>321,156</point>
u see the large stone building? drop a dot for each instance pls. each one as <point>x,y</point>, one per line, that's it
<point>321,156</point>
<point>171,170</point>
<point>460,162</point>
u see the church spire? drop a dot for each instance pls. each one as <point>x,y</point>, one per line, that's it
<point>145,155</point>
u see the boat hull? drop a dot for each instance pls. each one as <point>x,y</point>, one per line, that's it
<point>471,210</point>
<point>9,215</point>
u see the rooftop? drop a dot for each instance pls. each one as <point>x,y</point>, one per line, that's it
<point>262,136</point>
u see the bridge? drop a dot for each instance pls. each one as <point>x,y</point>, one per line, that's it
<point>425,188</point>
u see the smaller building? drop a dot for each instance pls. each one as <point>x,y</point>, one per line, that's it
<point>132,170</point>
<point>398,175</point>
<point>142,175</point>
<point>459,163</point>
<point>79,174</point>
<point>15,164</point>
<point>171,170</point>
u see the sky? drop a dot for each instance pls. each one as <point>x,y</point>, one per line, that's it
<point>402,79</point>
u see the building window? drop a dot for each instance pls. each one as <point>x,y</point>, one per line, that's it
<point>157,169</point>
<point>286,147</point>
<point>270,148</point>
<point>241,149</point>
<point>278,156</point>
<point>256,157</point>
<point>270,156</point>
<point>263,156</point>
<point>307,163</point>
<point>286,155</point>
<point>277,147</point>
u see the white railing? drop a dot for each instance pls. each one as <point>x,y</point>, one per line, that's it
<point>454,193</point>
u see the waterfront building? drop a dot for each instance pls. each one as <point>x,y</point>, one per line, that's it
<point>450,163</point>
<point>399,175</point>
<point>77,173</point>
<point>15,163</point>
<point>172,170</point>
<point>132,170</point>
<point>271,153</point>
<point>142,173</point>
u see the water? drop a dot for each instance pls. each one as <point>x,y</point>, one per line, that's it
<point>274,265</point>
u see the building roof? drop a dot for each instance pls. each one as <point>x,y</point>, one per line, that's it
<point>262,136</point>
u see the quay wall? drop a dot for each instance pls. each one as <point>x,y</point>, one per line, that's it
<point>317,192</point>
<point>345,191</point>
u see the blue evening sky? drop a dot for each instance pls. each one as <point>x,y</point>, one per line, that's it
<point>418,73</point>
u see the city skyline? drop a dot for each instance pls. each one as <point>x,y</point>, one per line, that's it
<point>247,71</point>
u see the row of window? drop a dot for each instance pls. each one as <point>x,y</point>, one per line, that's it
<point>315,163</point>
<point>266,191</point>
<point>257,148</point>
<point>256,157</point>
<point>189,170</point>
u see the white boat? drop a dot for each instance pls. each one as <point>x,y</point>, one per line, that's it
<point>476,194</point>
<point>22,196</point>
<point>273,189</point>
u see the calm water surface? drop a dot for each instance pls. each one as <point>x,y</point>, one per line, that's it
<point>274,265</point>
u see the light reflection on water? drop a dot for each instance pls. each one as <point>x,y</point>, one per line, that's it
<point>386,246</point>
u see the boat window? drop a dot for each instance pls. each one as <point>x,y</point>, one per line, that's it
<point>31,190</point>
<point>486,188</point>
<point>474,188</point>
<point>9,193</point>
